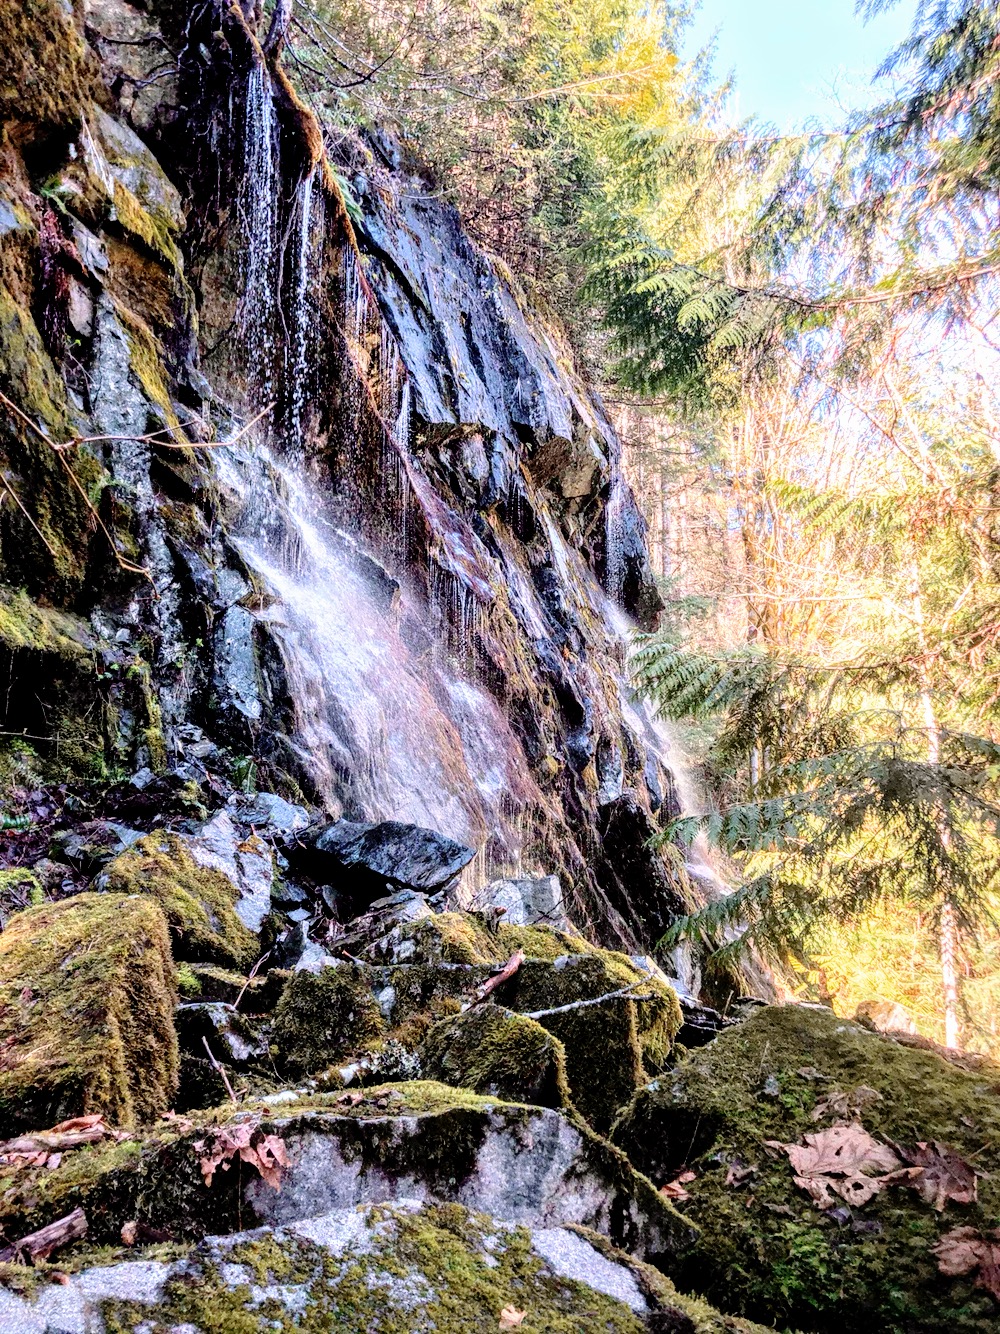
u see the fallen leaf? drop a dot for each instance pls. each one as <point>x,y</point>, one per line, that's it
<point>846,1106</point>
<point>944,1176</point>
<point>843,1160</point>
<point>129,1232</point>
<point>511,1317</point>
<point>737,1174</point>
<point>674,1190</point>
<point>247,1142</point>
<point>964,1251</point>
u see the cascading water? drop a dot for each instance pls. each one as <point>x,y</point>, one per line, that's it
<point>614,536</point>
<point>258,213</point>
<point>310,221</point>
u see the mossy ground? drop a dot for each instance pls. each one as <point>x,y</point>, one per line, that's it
<point>764,1248</point>
<point>86,1013</point>
<point>198,902</point>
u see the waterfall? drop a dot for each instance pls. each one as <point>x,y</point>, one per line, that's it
<point>258,212</point>
<point>307,253</point>
<point>614,536</point>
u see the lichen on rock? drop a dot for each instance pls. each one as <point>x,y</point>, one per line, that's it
<point>86,1013</point>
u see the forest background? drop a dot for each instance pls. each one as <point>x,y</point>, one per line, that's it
<point>798,336</point>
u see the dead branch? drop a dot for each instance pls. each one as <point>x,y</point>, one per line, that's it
<point>594,1000</point>
<point>250,977</point>
<point>40,1245</point>
<point>498,979</point>
<point>218,1067</point>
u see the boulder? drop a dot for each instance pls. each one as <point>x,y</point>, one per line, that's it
<point>200,902</point>
<point>495,1052</point>
<point>416,1140</point>
<point>528,901</point>
<point>361,860</point>
<point>326,1018</point>
<point>86,1013</point>
<point>610,1047</point>
<point>408,1267</point>
<point>246,860</point>
<point>820,1255</point>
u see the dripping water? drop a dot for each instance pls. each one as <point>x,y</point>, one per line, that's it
<point>614,536</point>
<point>258,213</point>
<point>303,311</point>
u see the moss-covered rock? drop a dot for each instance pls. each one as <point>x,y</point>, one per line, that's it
<point>86,1013</point>
<point>608,1046</point>
<point>386,1269</point>
<point>199,902</point>
<point>415,1140</point>
<point>325,1018</point>
<point>459,937</point>
<point>765,1248</point>
<point>493,1051</point>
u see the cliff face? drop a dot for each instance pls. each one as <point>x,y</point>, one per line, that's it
<point>295,501</point>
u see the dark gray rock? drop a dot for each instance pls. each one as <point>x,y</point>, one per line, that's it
<point>361,860</point>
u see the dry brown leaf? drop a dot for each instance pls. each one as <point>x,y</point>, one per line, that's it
<point>674,1190</point>
<point>943,1176</point>
<point>843,1160</point>
<point>511,1317</point>
<point>846,1106</point>
<point>248,1142</point>
<point>130,1231</point>
<point>965,1250</point>
<point>737,1174</point>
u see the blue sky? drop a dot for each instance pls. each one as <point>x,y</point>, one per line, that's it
<point>798,59</point>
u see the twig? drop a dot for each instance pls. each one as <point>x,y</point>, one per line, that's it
<point>250,977</point>
<point>595,1000</point>
<point>21,506</point>
<point>40,1245</point>
<point>498,979</point>
<point>216,1065</point>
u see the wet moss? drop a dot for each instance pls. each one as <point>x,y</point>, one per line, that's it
<point>25,625</point>
<point>496,1052</point>
<point>457,937</point>
<point>198,902</point>
<point>764,1248</point>
<point>86,1013</point>
<point>49,73</point>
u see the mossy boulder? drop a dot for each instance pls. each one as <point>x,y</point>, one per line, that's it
<point>459,937</point>
<point>86,1013</point>
<point>385,1268</point>
<point>612,1047</point>
<point>325,1018</point>
<point>766,1249</point>
<point>493,1051</point>
<point>199,902</point>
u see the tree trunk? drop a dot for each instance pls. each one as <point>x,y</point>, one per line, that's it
<point>949,975</point>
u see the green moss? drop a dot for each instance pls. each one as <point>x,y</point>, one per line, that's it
<point>25,625</point>
<point>454,937</point>
<point>147,361</point>
<point>494,1051</point>
<point>439,1268</point>
<point>49,74</point>
<point>327,1018</point>
<point>198,901</point>
<point>50,548</point>
<point>141,222</point>
<point>188,983</point>
<point>764,1248</point>
<point>605,1044</point>
<point>86,1013</point>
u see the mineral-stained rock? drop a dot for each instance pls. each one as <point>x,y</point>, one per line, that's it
<point>527,901</point>
<point>86,1013</point>
<point>405,1267</point>
<point>496,1052</point>
<point>765,1245</point>
<point>199,902</point>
